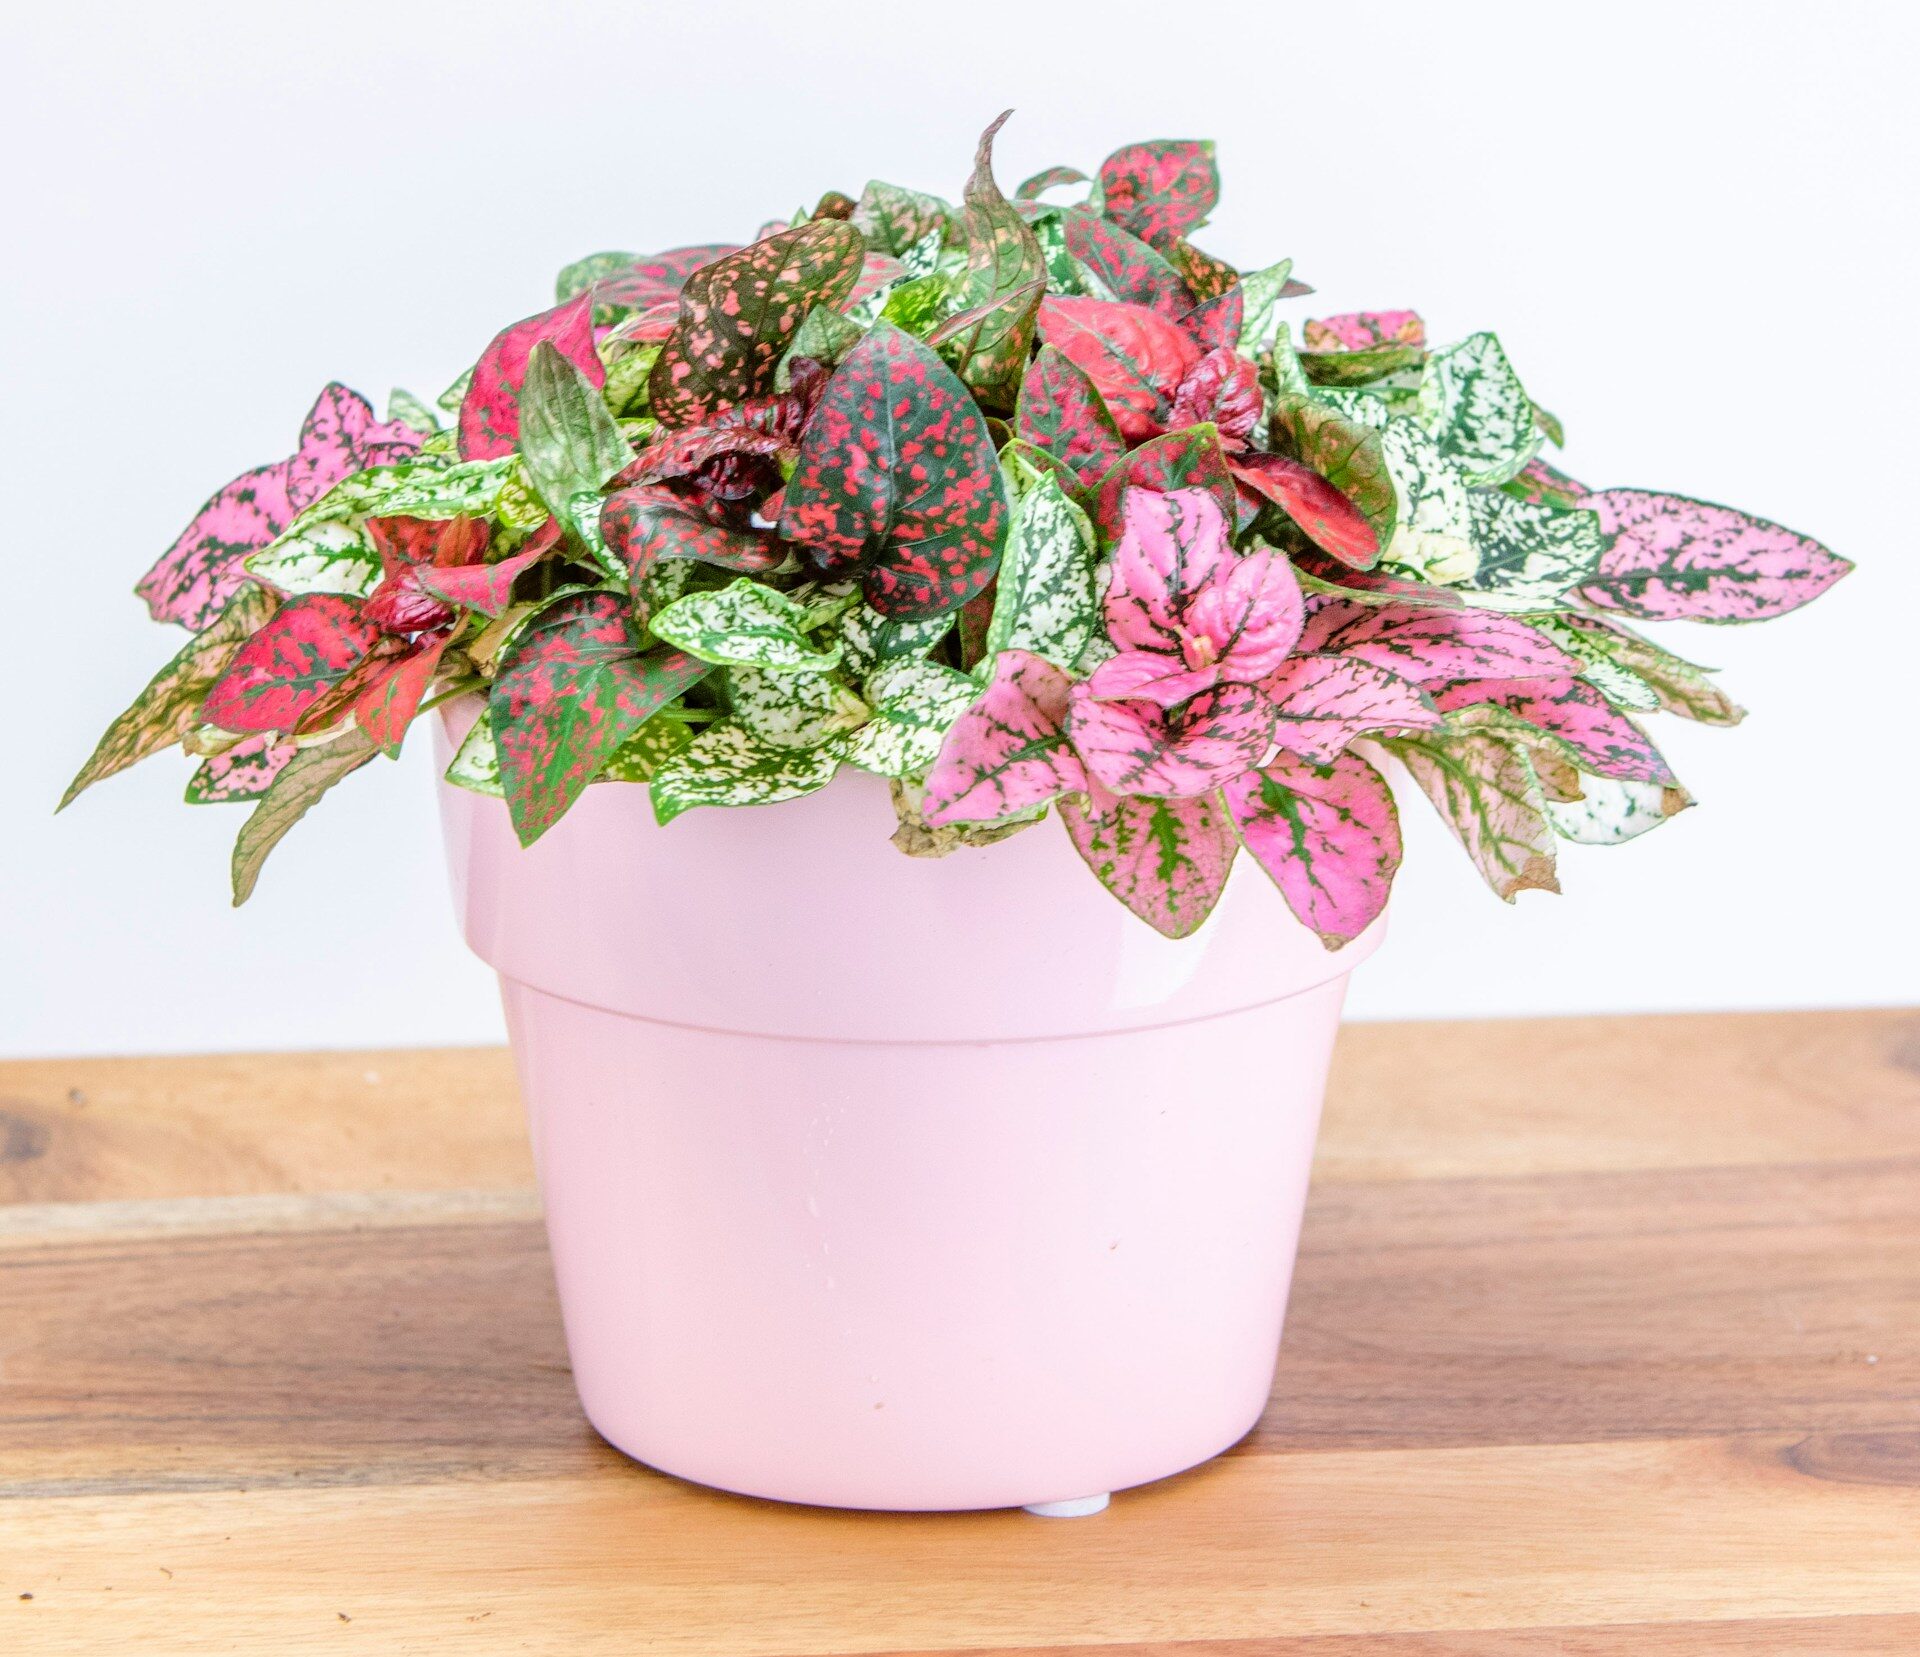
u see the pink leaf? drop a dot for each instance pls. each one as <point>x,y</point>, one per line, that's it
<point>1324,702</point>
<point>1431,647</point>
<point>1166,860</point>
<point>1136,748</point>
<point>1678,559</point>
<point>657,281</point>
<point>1222,387</point>
<point>488,588</point>
<point>305,648</point>
<point>1171,546</point>
<point>1008,752</point>
<point>1160,190</point>
<point>244,772</point>
<point>1248,621</point>
<point>340,437</point>
<point>1600,738</point>
<point>490,414</point>
<point>1148,676</point>
<point>1327,834</point>
<point>391,697</point>
<point>1363,330</point>
<point>1135,357</point>
<point>1331,521</point>
<point>201,571</point>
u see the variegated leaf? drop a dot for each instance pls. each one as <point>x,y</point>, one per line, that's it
<point>1328,835</point>
<point>1487,794</point>
<point>1478,409</point>
<point>1542,484</point>
<point>915,704</point>
<point>403,408</point>
<point>1135,357</point>
<point>1529,557</point>
<point>1006,275</point>
<point>1680,686</point>
<point>643,284</point>
<point>1673,559</point>
<point>1349,455</point>
<point>637,759</point>
<point>468,489</point>
<point>1361,330</point>
<point>572,687</point>
<point>1162,190</point>
<point>304,649</point>
<point>202,570</point>
<point>1190,459</point>
<point>299,784</point>
<point>1609,811</point>
<point>897,479</point>
<point>476,763</point>
<point>490,410</point>
<point>1588,732</point>
<point>1008,753</point>
<point>331,555</point>
<point>1062,412</point>
<point>739,314</point>
<point>488,588</point>
<point>1136,748</point>
<point>744,624</point>
<point>1322,513</point>
<point>240,773</point>
<point>1261,293</point>
<point>868,639</point>
<point>794,710</point>
<point>1324,702</point>
<point>169,707</point>
<point>1205,276</point>
<point>1044,596</point>
<point>391,696</point>
<point>894,220</point>
<point>1166,860</point>
<point>1051,178</point>
<point>1125,266</point>
<point>340,437</point>
<point>1434,647</point>
<point>1600,664</point>
<point>571,446</point>
<point>728,766</point>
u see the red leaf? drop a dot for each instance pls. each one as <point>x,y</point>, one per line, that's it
<point>1062,412</point>
<point>739,314</point>
<point>1216,323</point>
<point>572,689</point>
<point>647,523</point>
<point>441,542</point>
<point>657,281</point>
<point>1222,387</point>
<point>1160,191</point>
<point>488,588</point>
<point>305,648</point>
<point>391,696</point>
<point>1133,355</point>
<point>898,478</point>
<point>1331,521</point>
<point>490,413</point>
<point>1190,459</point>
<point>1130,269</point>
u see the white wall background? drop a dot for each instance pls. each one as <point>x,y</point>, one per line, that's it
<point>1693,227</point>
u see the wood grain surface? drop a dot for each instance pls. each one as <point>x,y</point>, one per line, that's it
<point>1606,1340</point>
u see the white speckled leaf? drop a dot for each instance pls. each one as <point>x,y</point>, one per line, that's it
<point>1610,811</point>
<point>869,640</point>
<point>469,487</point>
<point>1599,663</point>
<point>332,556</point>
<point>1479,410</point>
<point>476,763</point>
<point>1678,685</point>
<point>1044,598</point>
<point>1486,792</point>
<point>746,625</point>
<point>1526,556</point>
<point>1433,535</point>
<point>1260,295</point>
<point>643,753</point>
<point>914,706</point>
<point>794,710</point>
<point>727,765</point>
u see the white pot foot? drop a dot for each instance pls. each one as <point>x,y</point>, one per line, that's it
<point>1080,1507</point>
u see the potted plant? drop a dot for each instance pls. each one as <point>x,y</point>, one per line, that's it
<point>941,1180</point>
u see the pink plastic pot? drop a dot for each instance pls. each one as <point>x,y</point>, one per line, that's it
<point>884,1182</point>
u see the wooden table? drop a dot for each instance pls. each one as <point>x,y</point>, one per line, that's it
<point>1606,1340</point>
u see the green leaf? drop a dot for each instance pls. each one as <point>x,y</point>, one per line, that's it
<point>579,276</point>
<point>409,410</point>
<point>455,394</point>
<point>794,710</point>
<point>468,487</point>
<point>825,335</point>
<point>893,219</point>
<point>726,765</point>
<point>1289,378</point>
<point>914,705</point>
<point>571,445</point>
<point>1044,599</point>
<point>1260,294</point>
<point>746,625</point>
<point>169,707</point>
<point>1479,410</point>
<point>1346,453</point>
<point>643,753</point>
<point>308,775</point>
<point>1434,538</point>
<point>476,763</point>
<point>1006,276</point>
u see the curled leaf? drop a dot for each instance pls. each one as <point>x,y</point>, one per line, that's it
<point>1136,357</point>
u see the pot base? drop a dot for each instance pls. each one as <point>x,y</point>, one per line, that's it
<point>1081,1507</point>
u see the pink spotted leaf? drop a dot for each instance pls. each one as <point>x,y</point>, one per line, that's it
<point>1589,731</point>
<point>1324,702</point>
<point>1161,190</point>
<point>1328,835</point>
<point>204,568</point>
<point>1008,754</point>
<point>1125,266</point>
<point>1433,646</point>
<point>490,411</point>
<point>1136,357</point>
<point>1061,411</point>
<point>243,772</point>
<point>1137,748</point>
<point>302,651</point>
<point>1166,860</point>
<point>1674,559</point>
